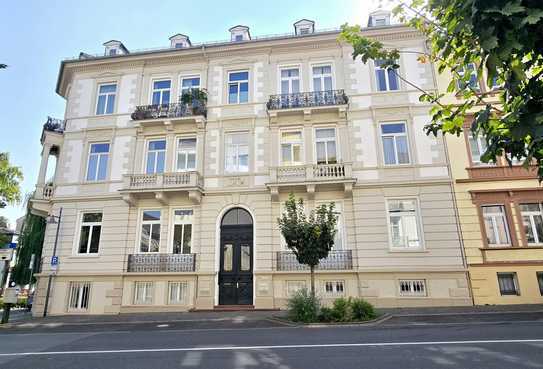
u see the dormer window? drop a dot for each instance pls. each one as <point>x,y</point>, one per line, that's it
<point>114,47</point>
<point>379,18</point>
<point>180,41</point>
<point>304,27</point>
<point>239,33</point>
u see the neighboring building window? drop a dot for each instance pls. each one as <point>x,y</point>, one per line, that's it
<point>477,147</point>
<point>186,154</point>
<point>473,82</point>
<point>156,156</point>
<point>508,284</point>
<point>387,78</point>
<point>237,152</point>
<point>291,147</point>
<point>161,92</point>
<point>412,287</point>
<point>497,231</point>
<point>238,87</point>
<point>98,161</point>
<point>150,231</point>
<point>182,231</point>
<point>89,235</point>
<point>290,81</point>
<point>188,83</point>
<point>334,287</point>
<point>295,286</point>
<point>540,282</point>
<point>395,143</point>
<point>326,146</point>
<point>105,103</point>
<point>322,78</point>
<point>79,294</point>
<point>404,223</point>
<point>532,219</point>
<point>178,293</point>
<point>143,293</point>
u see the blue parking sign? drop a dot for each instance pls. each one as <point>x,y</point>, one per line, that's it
<point>54,260</point>
<point>12,245</point>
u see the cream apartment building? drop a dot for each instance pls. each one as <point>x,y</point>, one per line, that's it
<point>170,207</point>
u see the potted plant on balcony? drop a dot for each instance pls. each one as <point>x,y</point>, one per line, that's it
<point>195,99</point>
<point>311,237</point>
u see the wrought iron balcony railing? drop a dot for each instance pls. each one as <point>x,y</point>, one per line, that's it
<point>153,263</point>
<point>54,125</point>
<point>175,110</point>
<point>336,260</point>
<point>307,99</point>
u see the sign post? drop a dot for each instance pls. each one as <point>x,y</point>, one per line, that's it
<point>10,298</point>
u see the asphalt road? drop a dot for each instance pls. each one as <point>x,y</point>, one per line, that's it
<point>265,344</point>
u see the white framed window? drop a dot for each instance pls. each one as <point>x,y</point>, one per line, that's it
<point>404,224</point>
<point>295,286</point>
<point>412,287</point>
<point>156,156</point>
<point>340,224</point>
<point>477,146</point>
<point>89,233</point>
<point>186,154</point>
<point>238,87</point>
<point>322,78</point>
<point>326,145</point>
<point>508,284</point>
<point>497,230</point>
<point>143,293</point>
<point>182,231</point>
<point>105,102</point>
<point>161,92</point>
<point>386,79</point>
<point>237,152</point>
<point>188,83</point>
<point>98,162</point>
<point>150,231</point>
<point>532,219</point>
<point>395,143</point>
<point>473,81</point>
<point>178,293</point>
<point>290,80</point>
<point>78,296</point>
<point>291,147</point>
<point>334,287</point>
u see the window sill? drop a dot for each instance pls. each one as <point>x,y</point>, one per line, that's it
<point>407,165</point>
<point>419,250</point>
<point>84,256</point>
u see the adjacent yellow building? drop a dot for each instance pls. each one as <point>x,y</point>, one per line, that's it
<point>501,219</point>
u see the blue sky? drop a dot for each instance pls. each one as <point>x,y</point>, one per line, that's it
<point>36,35</point>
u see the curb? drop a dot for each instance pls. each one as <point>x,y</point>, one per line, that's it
<point>370,323</point>
<point>406,315</point>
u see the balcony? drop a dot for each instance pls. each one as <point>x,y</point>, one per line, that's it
<point>311,176</point>
<point>336,260</point>
<point>161,185</point>
<point>169,113</point>
<point>161,263</point>
<point>307,102</point>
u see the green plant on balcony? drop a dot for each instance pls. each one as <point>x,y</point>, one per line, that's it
<point>195,99</point>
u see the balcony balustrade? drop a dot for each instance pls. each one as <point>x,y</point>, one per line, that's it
<point>307,99</point>
<point>156,263</point>
<point>336,260</point>
<point>169,111</point>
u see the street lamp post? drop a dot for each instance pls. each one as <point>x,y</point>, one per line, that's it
<point>51,220</point>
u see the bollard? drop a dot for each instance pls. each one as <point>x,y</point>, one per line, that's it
<point>5,315</point>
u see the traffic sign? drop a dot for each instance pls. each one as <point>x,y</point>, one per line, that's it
<point>12,245</point>
<point>54,263</point>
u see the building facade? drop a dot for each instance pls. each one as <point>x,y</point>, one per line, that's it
<point>171,206</point>
<point>501,218</point>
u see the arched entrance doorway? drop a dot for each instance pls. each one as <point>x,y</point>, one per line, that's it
<point>236,258</point>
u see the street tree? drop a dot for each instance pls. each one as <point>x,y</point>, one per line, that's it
<point>10,177</point>
<point>502,42</point>
<point>311,237</point>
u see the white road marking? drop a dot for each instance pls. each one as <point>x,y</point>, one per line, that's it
<point>163,325</point>
<point>271,347</point>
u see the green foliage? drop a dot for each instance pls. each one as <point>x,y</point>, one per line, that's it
<point>10,177</point>
<point>194,94</point>
<point>503,40</point>
<point>21,303</point>
<point>303,306</point>
<point>30,242</point>
<point>341,310</point>
<point>4,239</point>
<point>362,310</point>
<point>326,315</point>
<point>348,310</point>
<point>309,237</point>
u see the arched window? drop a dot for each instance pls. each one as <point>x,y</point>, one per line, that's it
<point>237,216</point>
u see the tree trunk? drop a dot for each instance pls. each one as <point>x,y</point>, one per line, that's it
<point>312,269</point>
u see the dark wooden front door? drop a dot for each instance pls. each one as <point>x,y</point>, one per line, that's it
<point>236,271</point>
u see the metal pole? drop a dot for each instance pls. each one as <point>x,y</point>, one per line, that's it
<point>50,274</point>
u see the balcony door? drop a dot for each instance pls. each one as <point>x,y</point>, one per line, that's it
<point>236,258</point>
